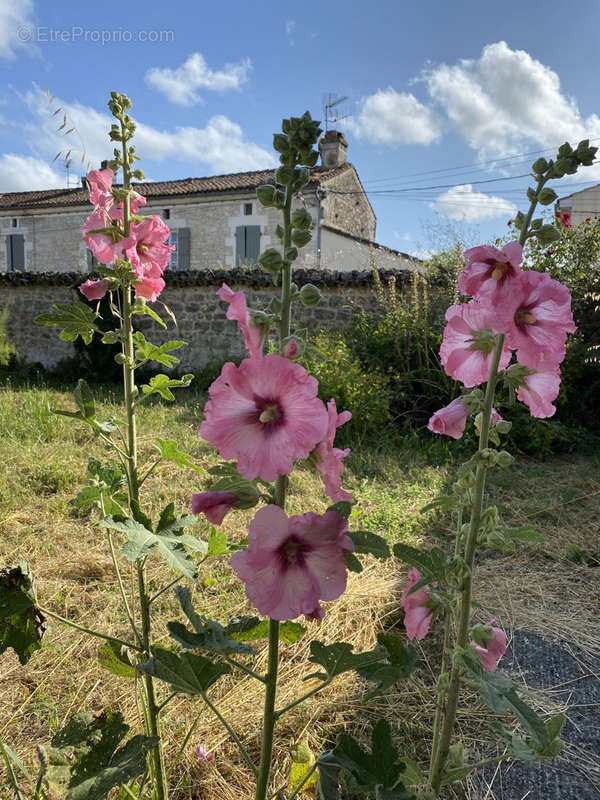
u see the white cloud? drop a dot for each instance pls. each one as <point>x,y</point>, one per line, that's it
<point>220,145</point>
<point>391,117</point>
<point>462,203</point>
<point>16,27</point>
<point>25,173</point>
<point>505,99</point>
<point>290,27</point>
<point>180,85</point>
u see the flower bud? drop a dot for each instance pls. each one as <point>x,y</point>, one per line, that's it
<point>281,143</point>
<point>266,195</point>
<point>540,166</point>
<point>503,426</point>
<point>301,219</point>
<point>120,358</point>
<point>467,481</point>
<point>284,175</point>
<point>300,237</point>
<point>547,196</point>
<point>505,459</point>
<point>487,457</point>
<point>270,260</point>
<point>309,295</point>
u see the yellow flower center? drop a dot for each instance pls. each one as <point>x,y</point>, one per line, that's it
<point>270,413</point>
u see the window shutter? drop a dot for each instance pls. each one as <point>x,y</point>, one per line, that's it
<point>240,245</point>
<point>15,251</point>
<point>252,243</point>
<point>183,248</point>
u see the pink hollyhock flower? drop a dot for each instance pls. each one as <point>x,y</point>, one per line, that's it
<point>106,247</point>
<point>238,311</point>
<point>496,417</point>
<point>417,613</point>
<point>565,218</point>
<point>100,183</point>
<point>145,247</point>
<point>214,505</point>
<point>494,649</point>
<point>203,755</point>
<point>536,318</point>
<point>489,269</point>
<point>94,290</point>
<point>266,414</point>
<point>539,391</point>
<point>293,563</point>
<point>329,461</point>
<point>459,354</point>
<point>450,420</point>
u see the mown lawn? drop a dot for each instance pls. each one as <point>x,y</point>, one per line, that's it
<point>550,588</point>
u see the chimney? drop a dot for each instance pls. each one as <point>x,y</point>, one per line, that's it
<point>333,147</point>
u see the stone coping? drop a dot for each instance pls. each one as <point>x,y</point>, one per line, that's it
<point>215,277</point>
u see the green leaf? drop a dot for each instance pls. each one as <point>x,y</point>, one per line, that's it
<point>217,542</point>
<point>112,659</point>
<point>289,632</point>
<point>141,307</point>
<point>207,634</point>
<point>432,564</point>
<point>170,452</point>
<point>302,761</point>
<point>169,539</point>
<point>338,657</point>
<point>21,622</point>
<point>146,351</point>
<point>367,542</point>
<point>344,508</point>
<point>9,757</point>
<point>161,384</point>
<point>412,775</point>
<point>85,399</point>
<point>187,673</point>
<point>378,771</point>
<point>84,761</point>
<point>401,661</point>
<point>547,234</point>
<point>353,563</point>
<point>76,320</point>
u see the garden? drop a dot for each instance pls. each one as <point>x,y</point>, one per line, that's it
<point>350,565</point>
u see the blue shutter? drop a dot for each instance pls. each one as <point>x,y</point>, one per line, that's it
<point>183,248</point>
<point>91,260</point>
<point>252,243</point>
<point>9,263</point>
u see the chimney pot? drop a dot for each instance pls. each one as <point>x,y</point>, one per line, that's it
<point>333,148</point>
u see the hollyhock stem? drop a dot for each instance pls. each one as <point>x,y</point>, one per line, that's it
<point>130,393</point>
<point>269,716</point>
<point>436,771</point>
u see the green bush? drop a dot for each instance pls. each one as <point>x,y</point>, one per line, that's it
<point>364,392</point>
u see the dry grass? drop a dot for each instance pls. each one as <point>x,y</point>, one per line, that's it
<point>45,457</point>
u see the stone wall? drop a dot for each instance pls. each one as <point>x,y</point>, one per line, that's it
<point>191,297</point>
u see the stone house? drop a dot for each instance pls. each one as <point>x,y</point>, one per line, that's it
<point>581,205</point>
<point>215,222</point>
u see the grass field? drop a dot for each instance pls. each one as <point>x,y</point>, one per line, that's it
<point>550,588</point>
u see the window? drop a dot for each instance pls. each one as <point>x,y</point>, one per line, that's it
<point>14,222</point>
<point>15,251</point>
<point>166,214</point>
<point>174,239</point>
<point>247,209</point>
<point>247,244</point>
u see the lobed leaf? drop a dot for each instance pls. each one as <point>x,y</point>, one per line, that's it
<point>21,622</point>
<point>187,672</point>
<point>338,657</point>
<point>76,319</point>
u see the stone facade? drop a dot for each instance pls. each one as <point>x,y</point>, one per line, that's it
<point>191,297</point>
<point>345,206</point>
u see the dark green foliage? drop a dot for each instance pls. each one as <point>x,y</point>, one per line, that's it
<point>85,760</point>
<point>21,622</point>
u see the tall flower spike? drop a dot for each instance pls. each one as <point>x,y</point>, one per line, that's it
<point>291,564</point>
<point>266,414</point>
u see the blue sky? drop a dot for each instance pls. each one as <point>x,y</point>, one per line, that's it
<point>443,98</point>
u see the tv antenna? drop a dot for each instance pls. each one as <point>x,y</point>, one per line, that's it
<point>332,112</point>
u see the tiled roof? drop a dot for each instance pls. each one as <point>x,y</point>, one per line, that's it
<point>237,182</point>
